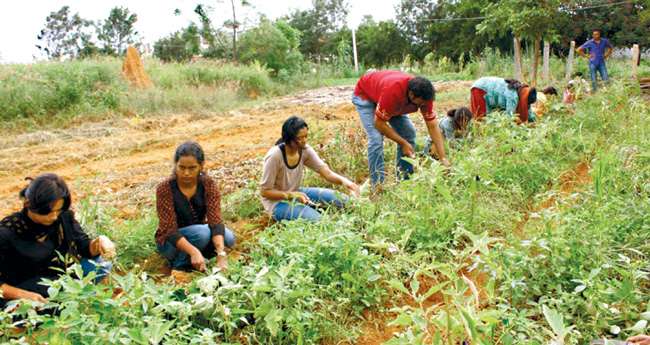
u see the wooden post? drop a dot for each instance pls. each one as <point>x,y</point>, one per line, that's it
<point>635,59</point>
<point>518,75</point>
<point>354,49</point>
<point>547,56</point>
<point>569,63</point>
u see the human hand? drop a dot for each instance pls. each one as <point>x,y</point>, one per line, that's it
<point>222,263</point>
<point>198,261</point>
<point>352,187</point>
<point>33,296</point>
<point>301,197</point>
<point>590,55</point>
<point>445,162</point>
<point>407,150</point>
<point>640,339</point>
<point>106,247</point>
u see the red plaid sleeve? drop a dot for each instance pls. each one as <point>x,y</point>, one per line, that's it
<point>213,207</point>
<point>167,227</point>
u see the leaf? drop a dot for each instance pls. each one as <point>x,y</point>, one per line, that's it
<point>554,319</point>
<point>374,278</point>
<point>348,277</point>
<point>638,327</point>
<point>444,191</point>
<point>579,288</point>
<point>272,322</point>
<point>415,286</point>
<point>397,285</point>
<point>594,273</point>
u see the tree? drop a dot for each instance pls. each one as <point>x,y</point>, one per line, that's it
<point>319,25</point>
<point>234,24</point>
<point>378,44</point>
<point>530,19</point>
<point>179,46</point>
<point>117,32</point>
<point>63,34</point>
<point>274,45</point>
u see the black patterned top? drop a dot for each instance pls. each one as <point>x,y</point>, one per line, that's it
<point>29,250</point>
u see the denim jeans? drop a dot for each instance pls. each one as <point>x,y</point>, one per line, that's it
<point>199,236</point>
<point>602,69</point>
<point>401,124</point>
<point>290,210</point>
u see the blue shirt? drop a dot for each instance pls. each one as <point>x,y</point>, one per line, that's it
<point>598,49</point>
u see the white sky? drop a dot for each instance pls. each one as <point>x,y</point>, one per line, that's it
<point>22,20</point>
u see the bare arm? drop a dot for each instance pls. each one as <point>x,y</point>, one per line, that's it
<point>275,194</point>
<point>11,292</point>
<point>436,136</point>
<point>196,258</point>
<point>384,128</point>
<point>333,177</point>
<point>609,52</point>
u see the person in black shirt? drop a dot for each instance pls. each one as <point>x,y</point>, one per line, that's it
<point>31,238</point>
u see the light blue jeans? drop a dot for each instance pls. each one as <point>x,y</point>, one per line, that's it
<point>602,69</point>
<point>290,210</point>
<point>199,236</point>
<point>401,124</point>
<point>97,265</point>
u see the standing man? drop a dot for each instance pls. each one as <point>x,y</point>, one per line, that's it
<point>383,100</point>
<point>597,56</point>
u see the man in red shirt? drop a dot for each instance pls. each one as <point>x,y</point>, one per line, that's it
<point>383,100</point>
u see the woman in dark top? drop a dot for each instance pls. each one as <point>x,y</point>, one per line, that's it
<point>31,238</point>
<point>189,213</point>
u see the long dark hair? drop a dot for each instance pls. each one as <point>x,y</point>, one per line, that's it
<point>190,149</point>
<point>43,192</point>
<point>549,91</point>
<point>290,129</point>
<point>461,116</point>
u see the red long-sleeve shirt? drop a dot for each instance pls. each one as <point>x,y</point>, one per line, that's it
<point>388,89</point>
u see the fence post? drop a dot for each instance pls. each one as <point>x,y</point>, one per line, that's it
<point>518,75</point>
<point>635,59</point>
<point>547,56</point>
<point>354,50</point>
<point>569,63</point>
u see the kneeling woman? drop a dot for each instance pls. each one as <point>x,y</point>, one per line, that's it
<point>282,195</point>
<point>30,240</point>
<point>189,213</point>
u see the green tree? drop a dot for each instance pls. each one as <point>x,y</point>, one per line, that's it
<point>274,45</point>
<point>530,19</point>
<point>379,44</point>
<point>234,24</point>
<point>179,46</point>
<point>319,27</point>
<point>63,34</point>
<point>117,32</point>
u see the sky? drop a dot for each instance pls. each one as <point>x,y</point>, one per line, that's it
<point>22,20</point>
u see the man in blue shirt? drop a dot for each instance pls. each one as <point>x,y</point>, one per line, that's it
<point>597,56</point>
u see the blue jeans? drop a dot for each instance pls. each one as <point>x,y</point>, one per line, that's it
<point>401,124</point>
<point>97,265</point>
<point>199,236</point>
<point>290,210</point>
<point>593,69</point>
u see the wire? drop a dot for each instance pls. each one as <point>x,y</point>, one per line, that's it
<point>442,20</point>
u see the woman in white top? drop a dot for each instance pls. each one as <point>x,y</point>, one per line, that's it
<point>282,195</point>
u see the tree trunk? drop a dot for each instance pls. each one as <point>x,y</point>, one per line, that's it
<point>538,42</point>
<point>234,32</point>
<point>518,74</point>
<point>547,58</point>
<point>569,63</point>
